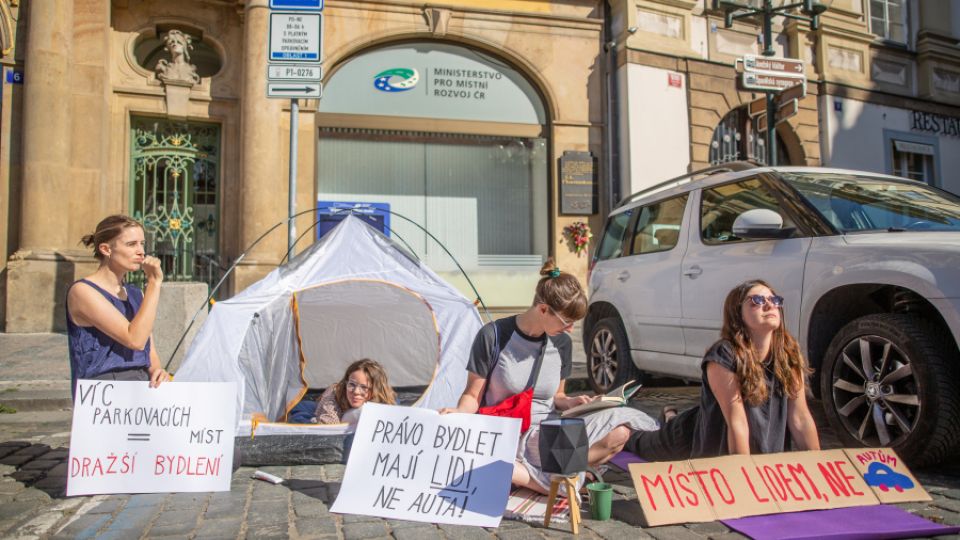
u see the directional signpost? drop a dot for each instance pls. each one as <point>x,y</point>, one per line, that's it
<point>784,81</point>
<point>294,71</point>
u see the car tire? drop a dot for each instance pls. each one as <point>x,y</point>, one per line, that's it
<point>609,364</point>
<point>910,400</point>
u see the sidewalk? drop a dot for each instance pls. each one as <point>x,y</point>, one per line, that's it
<point>34,441</point>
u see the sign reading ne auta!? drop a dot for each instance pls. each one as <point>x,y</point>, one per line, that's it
<point>415,464</point>
<point>130,438</point>
<point>736,486</point>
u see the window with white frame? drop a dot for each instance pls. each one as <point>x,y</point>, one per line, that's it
<point>914,160</point>
<point>888,19</point>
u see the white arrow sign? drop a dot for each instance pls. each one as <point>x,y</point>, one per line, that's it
<point>294,90</point>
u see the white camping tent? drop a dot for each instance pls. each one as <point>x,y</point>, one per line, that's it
<point>352,295</point>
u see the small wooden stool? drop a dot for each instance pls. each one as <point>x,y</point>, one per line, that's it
<point>570,482</point>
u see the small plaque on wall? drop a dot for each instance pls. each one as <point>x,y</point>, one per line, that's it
<point>578,183</point>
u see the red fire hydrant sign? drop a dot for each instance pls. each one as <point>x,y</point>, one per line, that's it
<point>737,486</point>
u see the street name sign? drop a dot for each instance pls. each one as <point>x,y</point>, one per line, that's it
<point>296,37</point>
<point>781,66</point>
<point>294,90</point>
<point>785,111</point>
<point>305,5</point>
<point>312,73</point>
<point>758,107</point>
<point>766,82</point>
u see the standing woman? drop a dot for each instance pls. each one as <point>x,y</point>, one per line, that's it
<point>109,322</point>
<point>753,398</point>
<point>501,365</point>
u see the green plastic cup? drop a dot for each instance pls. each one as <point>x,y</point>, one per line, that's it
<point>601,499</point>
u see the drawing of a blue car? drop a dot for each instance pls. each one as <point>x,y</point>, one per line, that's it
<point>883,477</point>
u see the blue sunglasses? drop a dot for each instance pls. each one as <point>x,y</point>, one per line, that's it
<point>759,300</point>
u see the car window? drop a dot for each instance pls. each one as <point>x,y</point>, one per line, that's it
<point>720,206</point>
<point>658,226</point>
<point>863,203</point>
<point>611,245</point>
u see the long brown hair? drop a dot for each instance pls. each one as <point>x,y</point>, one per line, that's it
<point>380,390</point>
<point>107,230</point>
<point>561,291</point>
<point>789,366</point>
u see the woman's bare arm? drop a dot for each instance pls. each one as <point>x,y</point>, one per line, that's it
<point>726,387</point>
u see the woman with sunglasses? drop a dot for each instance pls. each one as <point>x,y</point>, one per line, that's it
<point>753,396</point>
<point>503,362</point>
<point>364,380</point>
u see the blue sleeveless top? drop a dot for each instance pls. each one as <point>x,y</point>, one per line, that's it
<point>94,353</point>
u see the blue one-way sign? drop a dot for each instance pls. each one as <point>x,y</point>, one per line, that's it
<point>312,5</point>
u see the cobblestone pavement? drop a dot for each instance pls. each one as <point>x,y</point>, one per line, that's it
<point>34,445</point>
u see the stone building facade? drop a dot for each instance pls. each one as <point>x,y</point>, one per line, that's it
<point>882,92</point>
<point>158,109</point>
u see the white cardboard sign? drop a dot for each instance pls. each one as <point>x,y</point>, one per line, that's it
<point>130,438</point>
<point>415,464</point>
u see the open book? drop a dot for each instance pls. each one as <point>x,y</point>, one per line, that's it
<point>617,397</point>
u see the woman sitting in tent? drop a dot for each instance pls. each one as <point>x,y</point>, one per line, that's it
<point>505,360</point>
<point>364,380</point>
<point>753,389</point>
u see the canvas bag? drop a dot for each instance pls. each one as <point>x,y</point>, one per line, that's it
<point>517,405</point>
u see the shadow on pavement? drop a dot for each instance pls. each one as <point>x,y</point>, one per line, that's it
<point>37,465</point>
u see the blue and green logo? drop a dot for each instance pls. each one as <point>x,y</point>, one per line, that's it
<point>396,80</point>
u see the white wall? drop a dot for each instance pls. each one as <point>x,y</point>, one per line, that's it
<point>853,138</point>
<point>654,127</point>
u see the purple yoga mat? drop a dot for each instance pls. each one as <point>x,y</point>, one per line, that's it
<point>624,458</point>
<point>877,522</point>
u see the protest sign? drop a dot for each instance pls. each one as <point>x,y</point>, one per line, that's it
<point>130,438</point>
<point>415,464</point>
<point>737,486</point>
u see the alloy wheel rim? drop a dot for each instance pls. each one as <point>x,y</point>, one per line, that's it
<point>603,358</point>
<point>875,392</point>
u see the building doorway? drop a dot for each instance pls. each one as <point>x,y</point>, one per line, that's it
<point>175,179</point>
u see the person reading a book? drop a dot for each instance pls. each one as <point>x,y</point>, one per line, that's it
<point>533,350</point>
<point>753,396</point>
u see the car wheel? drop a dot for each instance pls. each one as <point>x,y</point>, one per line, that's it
<point>890,380</point>
<point>609,364</point>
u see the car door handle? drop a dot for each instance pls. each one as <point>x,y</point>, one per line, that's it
<point>623,276</point>
<point>693,271</point>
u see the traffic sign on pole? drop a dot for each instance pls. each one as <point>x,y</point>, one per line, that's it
<point>758,107</point>
<point>785,111</point>
<point>296,37</point>
<point>781,66</point>
<point>766,82</point>
<point>305,5</point>
<point>295,72</point>
<point>294,90</point>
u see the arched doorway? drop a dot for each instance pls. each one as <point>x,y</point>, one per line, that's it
<point>738,137</point>
<point>451,137</point>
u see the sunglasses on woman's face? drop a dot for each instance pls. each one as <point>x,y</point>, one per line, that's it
<point>760,300</point>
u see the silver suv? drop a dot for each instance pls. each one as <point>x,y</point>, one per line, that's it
<point>869,266</point>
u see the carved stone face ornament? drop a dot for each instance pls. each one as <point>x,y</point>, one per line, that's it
<point>178,70</point>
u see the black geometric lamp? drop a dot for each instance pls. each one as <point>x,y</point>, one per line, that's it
<point>563,453</point>
<point>563,446</point>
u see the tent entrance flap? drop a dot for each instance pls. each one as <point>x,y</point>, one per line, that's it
<point>349,320</point>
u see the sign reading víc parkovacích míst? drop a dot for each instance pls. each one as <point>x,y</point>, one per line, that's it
<point>415,464</point>
<point>578,183</point>
<point>130,438</point>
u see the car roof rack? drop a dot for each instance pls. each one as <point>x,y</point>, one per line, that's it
<point>732,166</point>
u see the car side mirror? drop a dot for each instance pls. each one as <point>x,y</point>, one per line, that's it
<point>760,223</point>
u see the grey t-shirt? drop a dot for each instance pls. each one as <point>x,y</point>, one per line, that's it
<point>516,354</point>
<point>767,421</point>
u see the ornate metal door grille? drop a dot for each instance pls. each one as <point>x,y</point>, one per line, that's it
<point>175,174</point>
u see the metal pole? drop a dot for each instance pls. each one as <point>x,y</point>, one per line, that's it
<point>292,198</point>
<point>771,96</point>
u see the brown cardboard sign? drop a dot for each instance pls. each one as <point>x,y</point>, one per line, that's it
<point>737,486</point>
<point>885,473</point>
<point>668,493</point>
